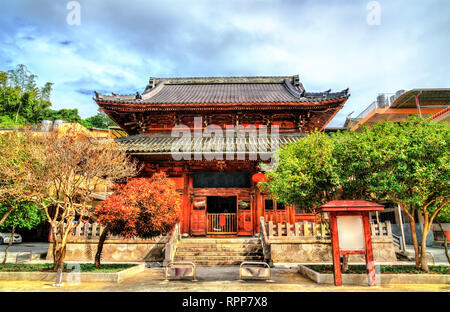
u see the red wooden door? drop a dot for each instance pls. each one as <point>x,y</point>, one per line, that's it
<point>198,217</point>
<point>245,223</point>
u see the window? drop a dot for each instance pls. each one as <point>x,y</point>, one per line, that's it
<point>268,204</point>
<point>281,206</point>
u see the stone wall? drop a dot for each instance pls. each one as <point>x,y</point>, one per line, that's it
<point>115,250</point>
<point>316,250</point>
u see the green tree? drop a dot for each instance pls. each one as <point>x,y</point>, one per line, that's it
<point>406,163</point>
<point>19,156</point>
<point>68,115</point>
<point>21,97</point>
<point>26,215</point>
<point>410,167</point>
<point>100,121</point>
<point>306,173</point>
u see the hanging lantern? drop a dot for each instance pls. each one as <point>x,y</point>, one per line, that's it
<point>259,177</point>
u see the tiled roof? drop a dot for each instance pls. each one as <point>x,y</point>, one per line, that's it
<point>163,144</point>
<point>223,90</point>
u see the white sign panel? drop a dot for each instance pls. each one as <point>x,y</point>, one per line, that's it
<point>350,232</point>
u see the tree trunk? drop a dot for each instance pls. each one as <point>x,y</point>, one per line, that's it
<point>423,249</point>
<point>59,254</point>
<point>101,241</point>
<point>344,263</point>
<point>6,215</point>
<point>59,246</point>
<point>445,240</point>
<point>412,225</point>
<point>9,244</point>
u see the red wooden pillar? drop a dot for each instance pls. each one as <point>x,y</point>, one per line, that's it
<point>369,251</point>
<point>258,210</point>
<point>335,249</point>
<point>291,214</point>
<point>186,209</point>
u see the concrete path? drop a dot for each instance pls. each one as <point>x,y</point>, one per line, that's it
<point>437,251</point>
<point>212,279</point>
<point>37,248</point>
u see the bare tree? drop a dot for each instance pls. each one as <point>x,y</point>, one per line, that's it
<point>68,172</point>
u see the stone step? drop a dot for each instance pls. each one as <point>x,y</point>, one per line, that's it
<point>219,251</point>
<point>208,240</point>
<point>217,258</point>
<point>219,262</point>
<point>218,246</point>
<point>216,253</point>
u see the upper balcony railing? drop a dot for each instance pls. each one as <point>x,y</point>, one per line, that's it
<point>383,100</point>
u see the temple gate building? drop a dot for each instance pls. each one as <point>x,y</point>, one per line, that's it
<point>210,134</point>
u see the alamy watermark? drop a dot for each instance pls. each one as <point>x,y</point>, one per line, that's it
<point>235,142</point>
<point>374,16</point>
<point>72,278</point>
<point>74,16</point>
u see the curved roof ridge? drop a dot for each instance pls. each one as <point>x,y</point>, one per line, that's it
<point>150,92</point>
<point>298,93</point>
<point>225,80</point>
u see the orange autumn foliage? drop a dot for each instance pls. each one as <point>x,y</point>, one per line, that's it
<point>144,207</point>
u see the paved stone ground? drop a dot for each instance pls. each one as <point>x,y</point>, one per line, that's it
<point>212,279</point>
<point>437,250</point>
<point>36,247</point>
<point>285,279</point>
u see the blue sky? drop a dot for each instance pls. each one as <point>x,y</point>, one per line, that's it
<point>120,44</point>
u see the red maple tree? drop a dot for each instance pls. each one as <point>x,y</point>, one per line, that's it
<point>144,207</point>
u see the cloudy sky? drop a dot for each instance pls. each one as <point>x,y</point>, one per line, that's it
<point>119,44</point>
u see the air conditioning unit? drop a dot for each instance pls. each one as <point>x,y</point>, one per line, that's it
<point>381,101</point>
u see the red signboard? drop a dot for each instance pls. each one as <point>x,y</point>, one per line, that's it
<point>350,233</point>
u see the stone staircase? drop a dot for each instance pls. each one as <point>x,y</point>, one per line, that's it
<point>219,251</point>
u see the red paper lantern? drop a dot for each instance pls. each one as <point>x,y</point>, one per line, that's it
<point>259,177</point>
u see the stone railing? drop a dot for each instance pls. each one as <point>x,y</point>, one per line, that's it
<point>171,245</point>
<point>92,231</point>
<point>83,241</point>
<point>89,231</point>
<point>312,229</point>
<point>381,229</point>
<point>298,229</point>
<point>309,242</point>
